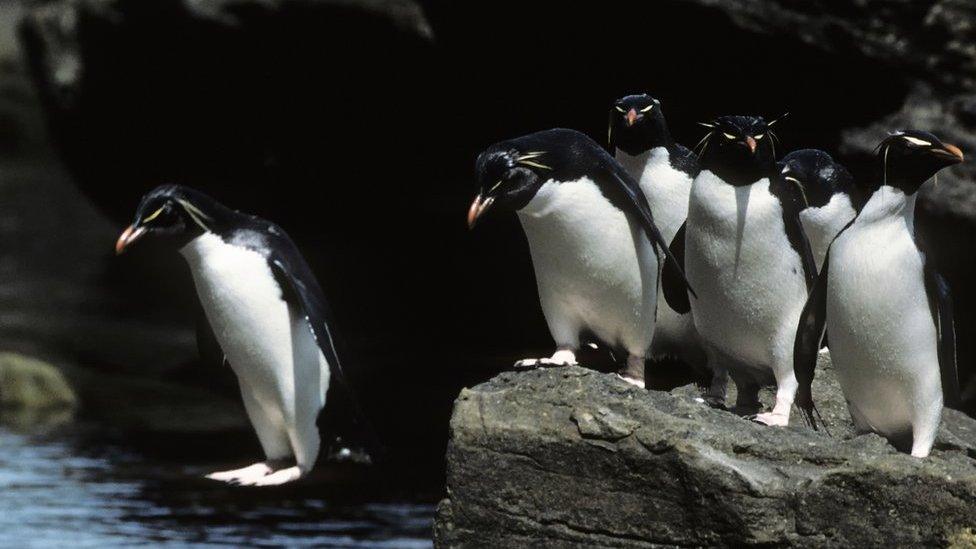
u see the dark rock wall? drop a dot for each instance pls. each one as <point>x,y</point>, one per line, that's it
<point>355,126</point>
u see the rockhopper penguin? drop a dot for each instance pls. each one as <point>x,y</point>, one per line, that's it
<point>830,198</point>
<point>640,141</point>
<point>888,311</point>
<point>594,245</point>
<point>746,255</point>
<point>268,314</point>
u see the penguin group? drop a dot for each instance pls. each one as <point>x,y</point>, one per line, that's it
<point>722,258</point>
<point>763,264</point>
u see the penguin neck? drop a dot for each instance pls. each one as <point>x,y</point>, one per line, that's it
<point>196,250</point>
<point>638,142</point>
<point>889,203</point>
<point>636,164</point>
<point>738,172</point>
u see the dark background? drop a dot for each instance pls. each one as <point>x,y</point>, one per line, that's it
<point>355,125</point>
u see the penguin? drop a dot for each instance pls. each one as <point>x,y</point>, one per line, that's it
<point>830,198</point>
<point>266,311</point>
<point>745,252</point>
<point>888,310</point>
<point>640,141</point>
<point>592,237</point>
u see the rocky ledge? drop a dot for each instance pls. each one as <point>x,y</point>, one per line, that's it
<point>573,457</point>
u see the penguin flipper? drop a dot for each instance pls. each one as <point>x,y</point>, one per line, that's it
<point>806,347</point>
<point>792,201</point>
<point>311,303</point>
<point>940,301</point>
<point>638,205</point>
<point>675,292</point>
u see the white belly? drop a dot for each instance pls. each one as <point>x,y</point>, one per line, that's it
<point>882,334</point>
<point>595,269</point>
<point>667,191</point>
<point>269,346</point>
<point>822,224</point>
<point>750,283</point>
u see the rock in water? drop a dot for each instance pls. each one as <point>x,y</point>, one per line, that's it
<point>569,456</point>
<point>33,392</point>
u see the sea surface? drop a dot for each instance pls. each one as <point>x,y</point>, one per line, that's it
<point>66,488</point>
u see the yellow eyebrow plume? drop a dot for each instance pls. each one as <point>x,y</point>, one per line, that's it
<point>195,213</point>
<point>526,160</point>
<point>534,164</point>
<point>153,215</point>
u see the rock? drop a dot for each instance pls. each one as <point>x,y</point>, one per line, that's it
<point>573,457</point>
<point>33,392</point>
<point>933,39</point>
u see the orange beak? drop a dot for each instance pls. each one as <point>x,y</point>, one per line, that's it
<point>128,237</point>
<point>631,117</point>
<point>953,151</point>
<point>751,143</point>
<point>478,207</point>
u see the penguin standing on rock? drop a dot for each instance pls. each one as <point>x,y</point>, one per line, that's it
<point>889,312</point>
<point>830,198</point>
<point>641,142</point>
<point>595,247</point>
<point>745,253</point>
<point>268,314</point>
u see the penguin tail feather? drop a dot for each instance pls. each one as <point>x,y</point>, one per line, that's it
<point>811,414</point>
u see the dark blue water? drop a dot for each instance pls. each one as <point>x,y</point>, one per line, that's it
<point>59,489</point>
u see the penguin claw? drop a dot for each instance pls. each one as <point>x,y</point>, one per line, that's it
<point>526,364</point>
<point>245,476</point>
<point>282,476</point>
<point>633,381</point>
<point>771,419</point>
<point>533,363</point>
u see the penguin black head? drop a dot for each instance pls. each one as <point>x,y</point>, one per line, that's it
<point>909,158</point>
<point>739,149</point>
<point>817,175</point>
<point>637,125</point>
<point>176,213</point>
<point>507,178</point>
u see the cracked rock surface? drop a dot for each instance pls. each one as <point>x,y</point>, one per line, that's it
<point>574,457</point>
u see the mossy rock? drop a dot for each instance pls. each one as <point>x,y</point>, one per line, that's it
<point>30,384</point>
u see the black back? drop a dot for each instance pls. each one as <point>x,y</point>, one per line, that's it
<point>940,303</point>
<point>684,160</point>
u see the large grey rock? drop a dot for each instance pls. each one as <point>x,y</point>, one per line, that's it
<point>572,457</point>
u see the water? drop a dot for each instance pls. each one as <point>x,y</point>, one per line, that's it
<point>63,490</point>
